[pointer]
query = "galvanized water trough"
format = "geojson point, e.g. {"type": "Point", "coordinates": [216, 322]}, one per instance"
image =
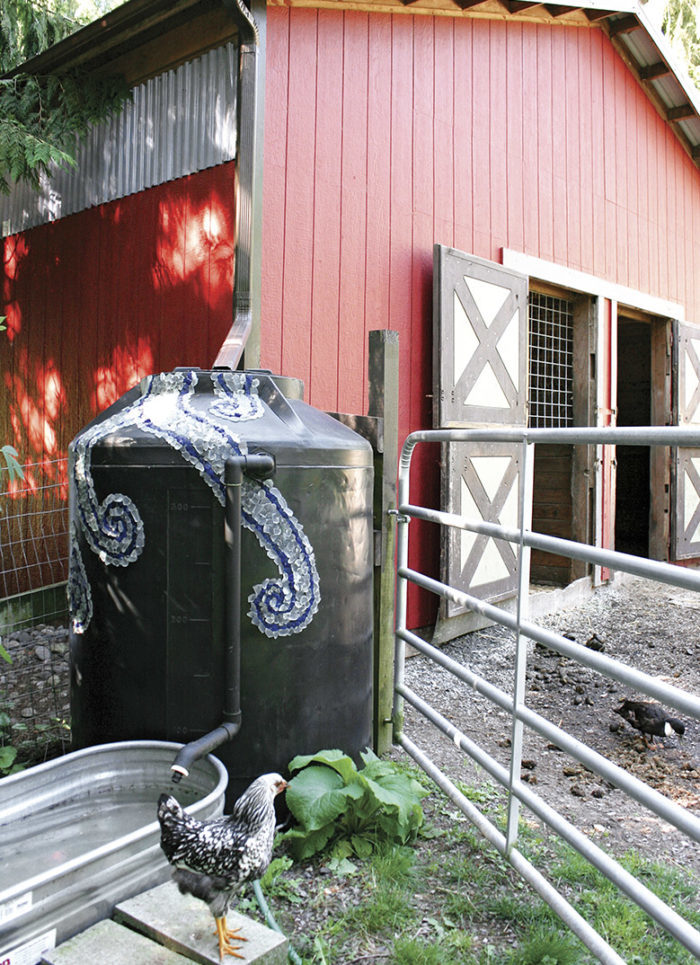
{"type": "Point", "coordinates": [79, 834]}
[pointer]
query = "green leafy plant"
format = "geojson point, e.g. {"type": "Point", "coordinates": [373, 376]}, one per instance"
{"type": "Point", "coordinates": [42, 116]}
{"type": "Point", "coordinates": [8, 753]}
{"type": "Point", "coordinates": [350, 811]}
{"type": "Point", "coordinates": [9, 454]}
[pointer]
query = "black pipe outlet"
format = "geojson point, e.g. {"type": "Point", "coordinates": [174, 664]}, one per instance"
{"type": "Point", "coordinates": [260, 466]}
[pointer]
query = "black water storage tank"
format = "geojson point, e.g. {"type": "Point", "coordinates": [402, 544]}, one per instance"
{"type": "Point", "coordinates": [147, 577]}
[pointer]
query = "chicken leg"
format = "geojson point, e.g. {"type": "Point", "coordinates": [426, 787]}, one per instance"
{"type": "Point", "coordinates": [227, 935]}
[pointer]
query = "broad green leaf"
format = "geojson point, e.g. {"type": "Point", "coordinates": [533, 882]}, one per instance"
{"type": "Point", "coordinates": [342, 866]}
{"type": "Point", "coordinates": [342, 849]}
{"type": "Point", "coordinates": [362, 847]}
{"type": "Point", "coordinates": [305, 844]}
{"type": "Point", "coordinates": [317, 796]}
{"type": "Point", "coordinates": [393, 793]}
{"type": "Point", "coordinates": [5, 655]}
{"type": "Point", "coordinates": [335, 759]}
{"type": "Point", "coordinates": [13, 467]}
{"type": "Point", "coordinates": [7, 757]}
{"type": "Point", "coordinates": [368, 756]}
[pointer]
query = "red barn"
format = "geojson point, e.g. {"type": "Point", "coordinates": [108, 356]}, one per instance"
{"type": "Point", "coordinates": [550, 150]}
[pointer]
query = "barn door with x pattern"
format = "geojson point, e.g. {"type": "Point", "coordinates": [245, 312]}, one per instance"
{"type": "Point", "coordinates": [480, 376]}
{"type": "Point", "coordinates": [685, 529]}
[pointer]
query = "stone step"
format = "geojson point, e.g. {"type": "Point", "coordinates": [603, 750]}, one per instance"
{"type": "Point", "coordinates": [163, 927]}
{"type": "Point", "coordinates": [109, 942]}
{"type": "Point", "coordinates": [185, 925]}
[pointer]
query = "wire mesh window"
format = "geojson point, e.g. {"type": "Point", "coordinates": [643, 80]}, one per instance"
{"type": "Point", "coordinates": [551, 361]}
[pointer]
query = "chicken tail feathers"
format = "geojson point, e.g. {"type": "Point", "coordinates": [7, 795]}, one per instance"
{"type": "Point", "coordinates": [211, 889]}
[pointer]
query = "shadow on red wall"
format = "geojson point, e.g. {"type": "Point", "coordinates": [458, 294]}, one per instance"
{"type": "Point", "coordinates": [100, 299]}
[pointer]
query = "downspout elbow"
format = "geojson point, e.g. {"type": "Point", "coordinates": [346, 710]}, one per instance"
{"type": "Point", "coordinates": [192, 752]}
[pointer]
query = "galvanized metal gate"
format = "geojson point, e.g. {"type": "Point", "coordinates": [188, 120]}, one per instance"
{"type": "Point", "coordinates": [521, 540]}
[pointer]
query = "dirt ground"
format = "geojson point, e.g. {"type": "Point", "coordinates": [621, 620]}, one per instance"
{"type": "Point", "coordinates": [652, 627]}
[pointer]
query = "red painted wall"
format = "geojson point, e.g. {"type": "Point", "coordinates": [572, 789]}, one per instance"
{"type": "Point", "coordinates": [98, 300]}
{"type": "Point", "coordinates": [385, 134]}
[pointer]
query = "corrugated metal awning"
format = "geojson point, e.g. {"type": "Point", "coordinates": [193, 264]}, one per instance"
{"type": "Point", "coordinates": [178, 122]}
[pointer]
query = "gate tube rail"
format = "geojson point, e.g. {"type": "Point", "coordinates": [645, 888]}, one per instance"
{"type": "Point", "coordinates": [677, 926]}
{"type": "Point", "coordinates": [684, 701]}
{"type": "Point", "coordinates": [652, 799]}
{"type": "Point", "coordinates": [614, 560]}
{"type": "Point", "coordinates": [568, 914]}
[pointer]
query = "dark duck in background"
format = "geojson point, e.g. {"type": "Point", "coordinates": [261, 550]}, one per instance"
{"type": "Point", "coordinates": [650, 719]}
{"type": "Point", "coordinates": [213, 859]}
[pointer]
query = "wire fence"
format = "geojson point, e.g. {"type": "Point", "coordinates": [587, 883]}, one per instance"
{"type": "Point", "coordinates": [34, 701]}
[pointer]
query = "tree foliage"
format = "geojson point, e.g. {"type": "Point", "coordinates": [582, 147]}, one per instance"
{"type": "Point", "coordinates": [43, 117]}
{"type": "Point", "coordinates": [680, 24]}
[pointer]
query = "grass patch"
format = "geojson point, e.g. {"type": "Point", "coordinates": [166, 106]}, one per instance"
{"type": "Point", "coordinates": [450, 899]}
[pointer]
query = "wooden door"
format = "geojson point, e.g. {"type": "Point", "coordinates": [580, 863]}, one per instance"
{"type": "Point", "coordinates": [685, 517]}
{"type": "Point", "coordinates": [480, 379]}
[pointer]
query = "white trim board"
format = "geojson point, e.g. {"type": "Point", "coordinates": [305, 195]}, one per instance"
{"type": "Point", "coordinates": [580, 281]}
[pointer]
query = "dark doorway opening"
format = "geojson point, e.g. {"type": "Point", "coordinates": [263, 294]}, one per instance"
{"type": "Point", "coordinates": [632, 499]}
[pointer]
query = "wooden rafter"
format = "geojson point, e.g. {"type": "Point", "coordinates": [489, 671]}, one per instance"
{"type": "Point", "coordinates": [624, 25]}
{"type": "Point", "coordinates": [467, 4]}
{"type": "Point", "coordinates": [517, 6]}
{"type": "Point", "coordinates": [653, 71]}
{"type": "Point", "coordinates": [595, 15]}
{"type": "Point", "coordinates": [680, 112]}
{"type": "Point", "coordinates": [556, 10]}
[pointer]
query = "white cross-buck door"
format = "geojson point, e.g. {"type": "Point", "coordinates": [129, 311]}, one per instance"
{"type": "Point", "coordinates": [686, 462]}
{"type": "Point", "coordinates": [480, 379]}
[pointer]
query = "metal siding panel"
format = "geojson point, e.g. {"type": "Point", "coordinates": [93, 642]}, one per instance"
{"type": "Point", "coordinates": [178, 123]}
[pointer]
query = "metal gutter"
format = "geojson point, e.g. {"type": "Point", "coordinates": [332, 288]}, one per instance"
{"type": "Point", "coordinates": [231, 351]}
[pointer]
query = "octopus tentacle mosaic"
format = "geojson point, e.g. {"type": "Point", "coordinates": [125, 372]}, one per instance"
{"type": "Point", "coordinates": [114, 529]}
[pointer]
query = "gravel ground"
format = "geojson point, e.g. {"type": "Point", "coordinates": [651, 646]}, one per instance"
{"type": "Point", "coordinates": [652, 627]}
{"type": "Point", "coordinates": [34, 692]}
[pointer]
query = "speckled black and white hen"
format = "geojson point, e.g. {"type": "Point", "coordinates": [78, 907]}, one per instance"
{"type": "Point", "coordinates": [213, 859]}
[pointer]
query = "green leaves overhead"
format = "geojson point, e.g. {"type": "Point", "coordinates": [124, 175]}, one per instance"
{"type": "Point", "coordinates": [42, 118]}
{"type": "Point", "coordinates": [353, 811]}
{"type": "Point", "coordinates": [27, 28]}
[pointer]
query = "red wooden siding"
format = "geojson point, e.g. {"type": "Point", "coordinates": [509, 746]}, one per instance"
{"type": "Point", "coordinates": [387, 133]}
{"type": "Point", "coordinates": [98, 300]}
{"type": "Point", "coordinates": [383, 134]}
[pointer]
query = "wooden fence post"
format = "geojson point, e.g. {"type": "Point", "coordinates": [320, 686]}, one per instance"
{"type": "Point", "coordinates": [383, 378]}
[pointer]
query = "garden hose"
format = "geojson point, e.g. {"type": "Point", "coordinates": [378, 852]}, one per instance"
{"type": "Point", "coordinates": [269, 918]}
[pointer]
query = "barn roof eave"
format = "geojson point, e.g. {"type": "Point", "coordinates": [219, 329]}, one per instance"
{"type": "Point", "coordinates": [643, 47]}
{"type": "Point", "coordinates": [118, 38]}
{"type": "Point", "coordinates": [130, 32]}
